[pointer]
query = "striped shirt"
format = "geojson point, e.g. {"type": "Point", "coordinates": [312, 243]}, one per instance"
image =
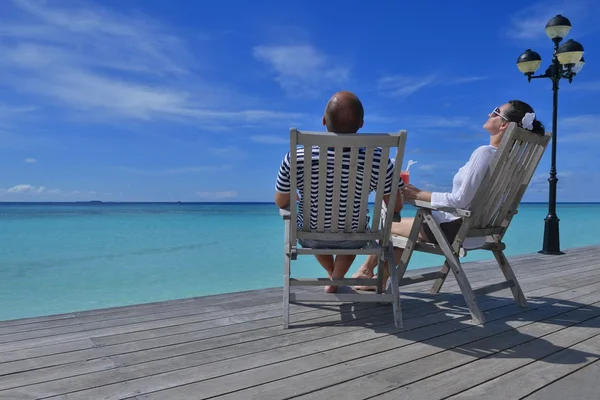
{"type": "Point", "coordinates": [283, 184]}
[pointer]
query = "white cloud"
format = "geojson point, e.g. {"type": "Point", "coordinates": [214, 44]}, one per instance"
{"type": "Point", "coordinates": [539, 181]}
{"type": "Point", "coordinates": [107, 66]}
{"type": "Point", "coordinates": [465, 79]}
{"type": "Point", "coordinates": [16, 139]}
{"type": "Point", "coordinates": [578, 129]}
{"type": "Point", "coordinates": [586, 86]}
{"type": "Point", "coordinates": [426, 167]}
{"type": "Point", "coordinates": [6, 111]}
{"type": "Point", "coordinates": [176, 171]}
{"type": "Point", "coordinates": [434, 187]}
{"type": "Point", "coordinates": [26, 188]}
{"type": "Point", "coordinates": [436, 121]}
{"type": "Point", "coordinates": [403, 86]}
{"type": "Point", "coordinates": [301, 70]}
{"type": "Point", "coordinates": [229, 194]}
{"type": "Point", "coordinates": [231, 152]}
{"type": "Point", "coordinates": [270, 139]}
{"type": "Point", "coordinates": [529, 26]}
{"type": "Point", "coordinates": [380, 119]}
{"type": "Point", "coordinates": [27, 192]}
{"type": "Point", "coordinates": [30, 160]}
{"type": "Point", "coordinates": [529, 23]}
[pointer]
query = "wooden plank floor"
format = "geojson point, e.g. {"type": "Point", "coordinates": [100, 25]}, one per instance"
{"type": "Point", "coordinates": [233, 347]}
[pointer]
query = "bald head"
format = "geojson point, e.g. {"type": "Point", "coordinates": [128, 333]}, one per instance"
{"type": "Point", "coordinates": [344, 113]}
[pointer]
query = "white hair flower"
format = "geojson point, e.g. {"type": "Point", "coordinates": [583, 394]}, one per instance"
{"type": "Point", "coordinates": [527, 121]}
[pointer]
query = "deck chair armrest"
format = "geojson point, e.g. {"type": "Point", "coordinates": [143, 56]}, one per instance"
{"type": "Point", "coordinates": [285, 213]}
{"type": "Point", "coordinates": [425, 204]}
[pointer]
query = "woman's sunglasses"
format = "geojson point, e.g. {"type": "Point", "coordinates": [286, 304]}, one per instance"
{"type": "Point", "coordinates": [498, 113]}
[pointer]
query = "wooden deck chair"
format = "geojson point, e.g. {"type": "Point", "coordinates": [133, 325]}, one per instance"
{"type": "Point", "coordinates": [356, 147]}
{"type": "Point", "coordinates": [484, 224]}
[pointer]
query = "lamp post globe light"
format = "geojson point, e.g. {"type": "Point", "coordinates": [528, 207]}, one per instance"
{"type": "Point", "coordinates": [567, 61]}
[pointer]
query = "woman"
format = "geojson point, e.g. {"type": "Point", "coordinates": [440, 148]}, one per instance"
{"type": "Point", "coordinates": [464, 185]}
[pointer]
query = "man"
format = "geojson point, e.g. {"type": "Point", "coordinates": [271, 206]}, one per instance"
{"type": "Point", "coordinates": [344, 113]}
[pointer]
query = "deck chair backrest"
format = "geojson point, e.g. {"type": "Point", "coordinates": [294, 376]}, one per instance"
{"type": "Point", "coordinates": [508, 177]}
{"type": "Point", "coordinates": [332, 182]}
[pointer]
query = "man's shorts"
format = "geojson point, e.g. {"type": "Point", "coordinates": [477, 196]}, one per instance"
{"type": "Point", "coordinates": [332, 244]}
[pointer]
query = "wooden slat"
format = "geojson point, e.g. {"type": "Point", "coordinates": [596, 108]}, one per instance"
{"type": "Point", "coordinates": [425, 204]}
{"type": "Point", "coordinates": [348, 366]}
{"type": "Point", "coordinates": [557, 364]}
{"type": "Point", "coordinates": [338, 236]}
{"type": "Point", "coordinates": [390, 210]}
{"type": "Point", "coordinates": [352, 172]}
{"type": "Point", "coordinates": [329, 139]}
{"type": "Point", "coordinates": [508, 211]}
{"type": "Point", "coordinates": [494, 287]}
{"type": "Point", "coordinates": [512, 200]}
{"type": "Point", "coordinates": [497, 191]}
{"type": "Point", "coordinates": [385, 154]}
{"type": "Point", "coordinates": [525, 135]}
{"type": "Point", "coordinates": [411, 280]}
{"type": "Point", "coordinates": [340, 297]}
{"type": "Point", "coordinates": [307, 206]}
{"type": "Point", "coordinates": [322, 187]}
{"type": "Point", "coordinates": [333, 251]}
{"type": "Point", "coordinates": [366, 186]}
{"type": "Point", "coordinates": [582, 384]}
{"type": "Point", "coordinates": [337, 186]}
{"type": "Point", "coordinates": [327, 281]}
{"type": "Point", "coordinates": [293, 185]}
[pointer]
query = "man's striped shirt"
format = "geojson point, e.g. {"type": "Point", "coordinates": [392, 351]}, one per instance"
{"type": "Point", "coordinates": [283, 184]}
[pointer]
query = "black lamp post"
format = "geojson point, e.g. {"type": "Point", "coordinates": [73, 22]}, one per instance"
{"type": "Point", "coordinates": [566, 63]}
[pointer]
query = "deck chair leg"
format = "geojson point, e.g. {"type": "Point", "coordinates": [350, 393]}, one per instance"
{"type": "Point", "coordinates": [396, 308]}
{"type": "Point", "coordinates": [380, 274]}
{"type": "Point", "coordinates": [413, 236]}
{"type": "Point", "coordinates": [286, 292]}
{"type": "Point", "coordinates": [454, 263]}
{"type": "Point", "coordinates": [439, 282]}
{"type": "Point", "coordinates": [287, 260]}
{"type": "Point", "coordinates": [510, 276]}
{"type": "Point", "coordinates": [466, 289]}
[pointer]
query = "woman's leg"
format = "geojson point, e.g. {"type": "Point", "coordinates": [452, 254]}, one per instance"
{"type": "Point", "coordinates": [401, 228]}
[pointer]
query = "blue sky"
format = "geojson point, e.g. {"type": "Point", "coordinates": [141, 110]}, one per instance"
{"type": "Point", "coordinates": [155, 100]}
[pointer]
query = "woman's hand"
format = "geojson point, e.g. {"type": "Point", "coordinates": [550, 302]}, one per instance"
{"type": "Point", "coordinates": [410, 192]}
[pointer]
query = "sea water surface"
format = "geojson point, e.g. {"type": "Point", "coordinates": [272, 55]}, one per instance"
{"type": "Point", "coordinates": [58, 258]}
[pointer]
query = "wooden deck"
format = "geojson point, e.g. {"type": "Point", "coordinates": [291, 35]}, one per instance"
{"type": "Point", "coordinates": [233, 347]}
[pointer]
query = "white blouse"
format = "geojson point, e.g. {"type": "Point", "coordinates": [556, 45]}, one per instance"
{"type": "Point", "coordinates": [464, 185]}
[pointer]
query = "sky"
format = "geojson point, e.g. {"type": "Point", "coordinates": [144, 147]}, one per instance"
{"type": "Point", "coordinates": [187, 100]}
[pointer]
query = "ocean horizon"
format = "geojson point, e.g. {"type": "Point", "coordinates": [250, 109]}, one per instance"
{"type": "Point", "coordinates": [222, 202]}
{"type": "Point", "coordinates": [61, 257]}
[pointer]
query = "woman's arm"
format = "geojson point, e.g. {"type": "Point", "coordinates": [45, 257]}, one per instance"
{"type": "Point", "coordinates": [473, 175]}
{"type": "Point", "coordinates": [462, 196]}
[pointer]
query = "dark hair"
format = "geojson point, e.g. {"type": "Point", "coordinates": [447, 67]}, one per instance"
{"type": "Point", "coordinates": [517, 111]}
{"type": "Point", "coordinates": [344, 113]}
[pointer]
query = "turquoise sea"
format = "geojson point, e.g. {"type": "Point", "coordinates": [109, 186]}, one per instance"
{"type": "Point", "coordinates": [58, 258]}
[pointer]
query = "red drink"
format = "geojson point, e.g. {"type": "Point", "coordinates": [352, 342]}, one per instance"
{"type": "Point", "coordinates": [405, 175]}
